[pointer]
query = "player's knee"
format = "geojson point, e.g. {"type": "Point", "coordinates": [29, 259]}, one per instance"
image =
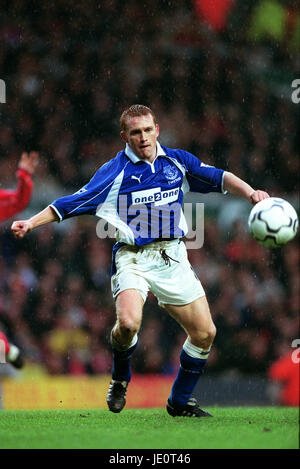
{"type": "Point", "coordinates": [129, 325]}
{"type": "Point", "coordinates": [204, 338]}
{"type": "Point", "coordinates": [211, 332]}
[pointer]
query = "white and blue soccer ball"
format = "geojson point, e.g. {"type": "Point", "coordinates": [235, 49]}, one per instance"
{"type": "Point", "coordinates": [273, 222]}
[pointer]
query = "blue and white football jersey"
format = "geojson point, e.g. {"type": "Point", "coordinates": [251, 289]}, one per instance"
{"type": "Point", "coordinates": [142, 200]}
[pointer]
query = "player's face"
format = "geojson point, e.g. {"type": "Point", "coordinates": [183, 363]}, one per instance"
{"type": "Point", "coordinates": [141, 135]}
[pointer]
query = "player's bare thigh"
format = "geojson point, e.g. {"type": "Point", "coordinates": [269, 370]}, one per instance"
{"type": "Point", "coordinates": [129, 311]}
{"type": "Point", "coordinates": [196, 320]}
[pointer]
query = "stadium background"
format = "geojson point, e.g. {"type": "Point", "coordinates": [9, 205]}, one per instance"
{"type": "Point", "coordinates": [218, 75]}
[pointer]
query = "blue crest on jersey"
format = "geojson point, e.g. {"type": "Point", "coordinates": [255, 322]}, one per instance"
{"type": "Point", "coordinates": [170, 172]}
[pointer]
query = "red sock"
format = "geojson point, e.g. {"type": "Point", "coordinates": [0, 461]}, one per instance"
{"type": "Point", "coordinates": [6, 343]}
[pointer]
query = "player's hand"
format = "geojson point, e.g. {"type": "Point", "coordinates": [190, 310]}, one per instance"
{"type": "Point", "coordinates": [29, 162]}
{"type": "Point", "coordinates": [21, 228]}
{"type": "Point", "coordinates": [257, 196]}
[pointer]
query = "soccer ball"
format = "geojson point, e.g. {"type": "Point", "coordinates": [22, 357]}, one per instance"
{"type": "Point", "coordinates": [273, 222]}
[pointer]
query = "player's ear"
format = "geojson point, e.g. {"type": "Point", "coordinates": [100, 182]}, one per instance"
{"type": "Point", "coordinates": [124, 136]}
{"type": "Point", "coordinates": [157, 130]}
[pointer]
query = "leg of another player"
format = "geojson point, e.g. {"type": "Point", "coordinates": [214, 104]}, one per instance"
{"type": "Point", "coordinates": [196, 320]}
{"type": "Point", "coordinates": [10, 352]}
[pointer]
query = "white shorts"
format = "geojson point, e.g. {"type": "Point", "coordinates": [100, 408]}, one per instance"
{"type": "Point", "coordinates": [144, 269]}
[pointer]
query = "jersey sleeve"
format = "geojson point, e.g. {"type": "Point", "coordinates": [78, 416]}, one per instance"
{"type": "Point", "coordinates": [14, 201]}
{"type": "Point", "coordinates": [201, 177]}
{"type": "Point", "coordinates": [86, 200]}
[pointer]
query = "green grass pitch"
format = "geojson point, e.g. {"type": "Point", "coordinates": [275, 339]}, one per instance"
{"type": "Point", "coordinates": [230, 428]}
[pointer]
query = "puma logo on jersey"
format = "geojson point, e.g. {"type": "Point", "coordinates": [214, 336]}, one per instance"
{"type": "Point", "coordinates": [137, 178]}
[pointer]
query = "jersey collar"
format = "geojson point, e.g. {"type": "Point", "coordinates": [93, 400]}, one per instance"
{"type": "Point", "coordinates": [135, 159]}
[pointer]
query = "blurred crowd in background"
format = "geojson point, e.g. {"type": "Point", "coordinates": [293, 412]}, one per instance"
{"type": "Point", "coordinates": [220, 84]}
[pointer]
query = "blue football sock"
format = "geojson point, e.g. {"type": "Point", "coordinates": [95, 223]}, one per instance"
{"type": "Point", "coordinates": [189, 372]}
{"type": "Point", "coordinates": [121, 370]}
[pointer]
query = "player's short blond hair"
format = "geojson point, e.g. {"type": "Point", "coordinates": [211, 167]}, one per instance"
{"type": "Point", "coordinates": [134, 111]}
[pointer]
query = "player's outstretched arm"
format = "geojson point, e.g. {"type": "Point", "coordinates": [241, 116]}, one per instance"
{"type": "Point", "coordinates": [14, 201]}
{"type": "Point", "coordinates": [21, 227]}
{"type": "Point", "coordinates": [29, 161]}
{"type": "Point", "coordinates": [236, 186]}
